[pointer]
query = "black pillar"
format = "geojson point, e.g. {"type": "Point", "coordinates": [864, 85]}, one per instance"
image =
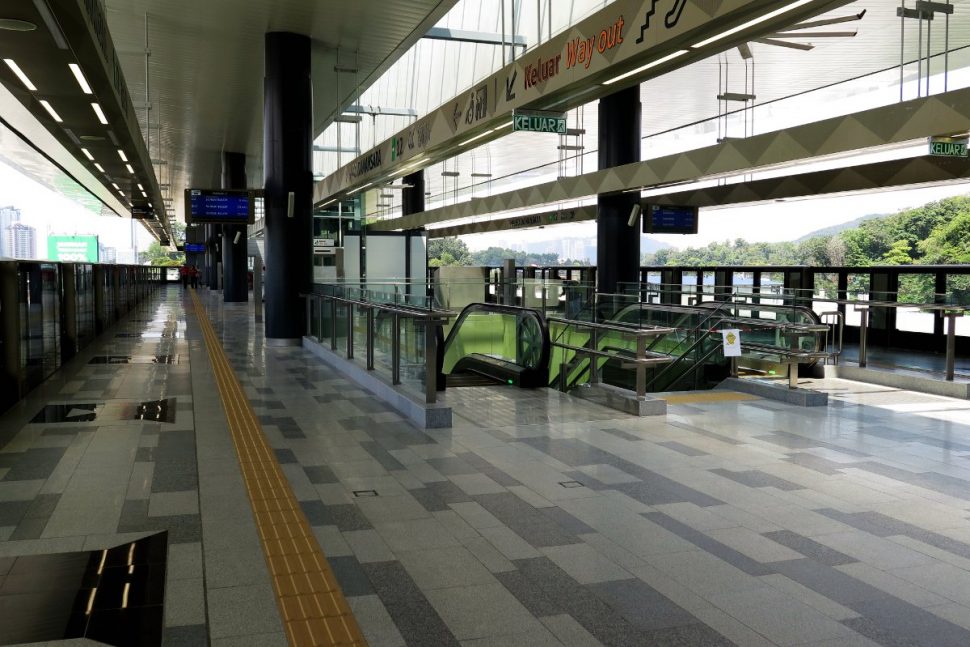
{"type": "Point", "coordinates": [213, 255]}
{"type": "Point", "coordinates": [617, 244]}
{"type": "Point", "coordinates": [412, 200]}
{"type": "Point", "coordinates": [287, 145]}
{"type": "Point", "coordinates": [235, 273]}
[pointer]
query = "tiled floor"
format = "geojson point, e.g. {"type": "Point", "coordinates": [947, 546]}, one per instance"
{"type": "Point", "coordinates": [535, 520]}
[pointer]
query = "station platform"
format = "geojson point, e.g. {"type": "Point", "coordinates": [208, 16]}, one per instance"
{"type": "Point", "coordinates": [298, 509]}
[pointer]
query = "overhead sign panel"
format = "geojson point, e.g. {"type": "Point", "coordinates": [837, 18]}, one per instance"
{"type": "Point", "coordinates": [195, 248]}
{"type": "Point", "coordinates": [73, 249]}
{"type": "Point", "coordinates": [220, 206]}
{"type": "Point", "coordinates": [539, 122]}
{"type": "Point", "coordinates": [625, 38]}
{"type": "Point", "coordinates": [948, 147]}
{"type": "Point", "coordinates": [670, 219]}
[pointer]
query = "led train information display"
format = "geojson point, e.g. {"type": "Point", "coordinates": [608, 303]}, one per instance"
{"type": "Point", "coordinates": [670, 219]}
{"type": "Point", "coordinates": [220, 206]}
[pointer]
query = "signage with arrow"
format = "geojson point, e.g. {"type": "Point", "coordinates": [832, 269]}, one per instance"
{"type": "Point", "coordinates": [539, 121]}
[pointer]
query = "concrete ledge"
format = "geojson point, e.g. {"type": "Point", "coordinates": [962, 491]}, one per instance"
{"type": "Point", "coordinates": [905, 380]}
{"type": "Point", "coordinates": [779, 392]}
{"type": "Point", "coordinates": [620, 400]}
{"type": "Point", "coordinates": [425, 416]}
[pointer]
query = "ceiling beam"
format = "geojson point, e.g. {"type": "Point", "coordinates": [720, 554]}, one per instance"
{"type": "Point", "coordinates": [479, 37]}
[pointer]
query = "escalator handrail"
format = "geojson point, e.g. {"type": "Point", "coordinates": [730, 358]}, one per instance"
{"type": "Point", "coordinates": [503, 309]}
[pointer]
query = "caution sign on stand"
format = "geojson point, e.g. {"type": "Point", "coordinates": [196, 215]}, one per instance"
{"type": "Point", "coordinates": [732, 342]}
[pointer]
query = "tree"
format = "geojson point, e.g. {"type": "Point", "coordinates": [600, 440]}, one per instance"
{"type": "Point", "coordinates": [898, 254]}
{"type": "Point", "coordinates": [157, 255]}
{"type": "Point", "coordinates": [448, 251]}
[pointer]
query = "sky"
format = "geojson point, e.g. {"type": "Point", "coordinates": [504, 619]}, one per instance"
{"type": "Point", "coordinates": [772, 222]}
{"type": "Point", "coordinates": [52, 213]}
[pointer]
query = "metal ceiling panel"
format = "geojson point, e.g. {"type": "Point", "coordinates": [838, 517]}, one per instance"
{"type": "Point", "coordinates": [205, 69]}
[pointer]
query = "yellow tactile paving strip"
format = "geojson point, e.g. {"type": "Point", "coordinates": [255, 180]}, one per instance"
{"type": "Point", "coordinates": [312, 606]}
{"type": "Point", "coordinates": [707, 396]}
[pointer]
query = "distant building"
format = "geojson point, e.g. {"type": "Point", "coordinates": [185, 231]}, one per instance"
{"type": "Point", "coordinates": [21, 241]}
{"type": "Point", "coordinates": [107, 254]}
{"type": "Point", "coordinates": [9, 216]}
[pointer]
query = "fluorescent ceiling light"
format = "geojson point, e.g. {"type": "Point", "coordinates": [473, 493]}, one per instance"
{"type": "Point", "coordinates": [130, 170]}
{"type": "Point", "coordinates": [87, 154]}
{"type": "Point", "coordinates": [50, 109]}
{"type": "Point", "coordinates": [98, 111]}
{"type": "Point", "coordinates": [644, 68]}
{"type": "Point", "coordinates": [79, 75]}
{"type": "Point", "coordinates": [477, 137]}
{"type": "Point", "coordinates": [116, 186]}
{"type": "Point", "coordinates": [751, 23]}
{"type": "Point", "coordinates": [20, 74]}
{"type": "Point", "coordinates": [141, 188]}
{"type": "Point", "coordinates": [99, 167]}
{"type": "Point", "coordinates": [144, 195]}
{"type": "Point", "coordinates": [121, 154]}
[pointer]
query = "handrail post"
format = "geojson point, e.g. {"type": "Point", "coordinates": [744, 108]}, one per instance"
{"type": "Point", "coordinates": [593, 365]}
{"type": "Point", "coordinates": [430, 362]}
{"type": "Point", "coordinates": [641, 368]}
{"type": "Point", "coordinates": [309, 318]}
{"type": "Point", "coordinates": [863, 333]}
{"type": "Point", "coordinates": [370, 339]}
{"type": "Point", "coordinates": [333, 324]}
{"type": "Point", "coordinates": [350, 331]}
{"type": "Point", "coordinates": [951, 345]}
{"type": "Point", "coordinates": [396, 349]}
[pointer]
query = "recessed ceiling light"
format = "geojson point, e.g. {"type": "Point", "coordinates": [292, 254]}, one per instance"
{"type": "Point", "coordinates": [10, 24]}
{"type": "Point", "coordinates": [79, 75]}
{"type": "Point", "coordinates": [51, 111]}
{"type": "Point", "coordinates": [116, 186]}
{"type": "Point", "coordinates": [99, 167]}
{"type": "Point", "coordinates": [121, 154]}
{"type": "Point", "coordinates": [141, 188]}
{"type": "Point", "coordinates": [130, 170]}
{"type": "Point", "coordinates": [91, 138]}
{"type": "Point", "coordinates": [20, 74]}
{"type": "Point", "coordinates": [87, 154]}
{"type": "Point", "coordinates": [144, 195]}
{"type": "Point", "coordinates": [100, 113]}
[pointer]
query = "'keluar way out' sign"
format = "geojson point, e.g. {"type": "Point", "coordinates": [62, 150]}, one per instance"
{"type": "Point", "coordinates": [539, 122]}
{"type": "Point", "coordinates": [946, 147]}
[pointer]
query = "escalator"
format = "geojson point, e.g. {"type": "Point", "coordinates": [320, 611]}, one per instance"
{"type": "Point", "coordinates": [492, 344]}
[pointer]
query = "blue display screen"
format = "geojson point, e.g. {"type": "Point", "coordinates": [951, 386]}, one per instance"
{"type": "Point", "coordinates": [667, 219]}
{"type": "Point", "coordinates": [231, 206]}
{"type": "Point", "coordinates": [195, 248]}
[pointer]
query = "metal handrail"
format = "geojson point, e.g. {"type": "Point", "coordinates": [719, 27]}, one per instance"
{"type": "Point", "coordinates": [433, 319]}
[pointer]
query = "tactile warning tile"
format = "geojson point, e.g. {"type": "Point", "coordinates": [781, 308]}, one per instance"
{"type": "Point", "coordinates": [707, 396]}
{"type": "Point", "coordinates": [312, 606]}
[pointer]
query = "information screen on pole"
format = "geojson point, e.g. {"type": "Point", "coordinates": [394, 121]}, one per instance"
{"type": "Point", "coordinates": [220, 206]}
{"type": "Point", "coordinates": [195, 248]}
{"type": "Point", "coordinates": [670, 219]}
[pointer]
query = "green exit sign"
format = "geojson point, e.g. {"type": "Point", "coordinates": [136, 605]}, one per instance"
{"type": "Point", "coordinates": [946, 147]}
{"type": "Point", "coordinates": [540, 122]}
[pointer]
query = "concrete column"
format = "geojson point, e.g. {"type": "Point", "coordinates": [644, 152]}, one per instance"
{"type": "Point", "coordinates": [235, 272]}
{"type": "Point", "coordinates": [617, 244]}
{"type": "Point", "coordinates": [412, 200]}
{"type": "Point", "coordinates": [287, 145]}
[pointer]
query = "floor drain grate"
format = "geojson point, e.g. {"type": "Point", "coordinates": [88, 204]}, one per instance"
{"type": "Point", "coordinates": [363, 493]}
{"type": "Point", "coordinates": [570, 484]}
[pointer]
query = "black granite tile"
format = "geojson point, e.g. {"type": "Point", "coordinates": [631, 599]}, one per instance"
{"type": "Point", "coordinates": [683, 449]}
{"type": "Point", "coordinates": [706, 433]}
{"type": "Point", "coordinates": [319, 474]}
{"type": "Point", "coordinates": [527, 522]}
{"type": "Point", "coordinates": [794, 441]}
{"type": "Point", "coordinates": [619, 433]}
{"type": "Point", "coordinates": [34, 464]}
{"type": "Point", "coordinates": [642, 605]}
{"type": "Point", "coordinates": [381, 455]}
{"type": "Point", "coordinates": [757, 478]}
{"type": "Point", "coordinates": [186, 636]}
{"type": "Point", "coordinates": [570, 451]}
{"type": "Point", "coordinates": [881, 635]}
{"type": "Point", "coordinates": [451, 466]}
{"type": "Point", "coordinates": [900, 620]}
{"type": "Point", "coordinates": [810, 548]}
{"type": "Point", "coordinates": [351, 577]}
{"type": "Point", "coordinates": [12, 512]}
{"type": "Point", "coordinates": [145, 455]}
{"type": "Point", "coordinates": [316, 513]}
{"type": "Point", "coordinates": [448, 492]}
{"type": "Point", "coordinates": [346, 516]}
{"type": "Point", "coordinates": [828, 581]}
{"type": "Point", "coordinates": [716, 548]}
{"type": "Point", "coordinates": [816, 463]}
{"type": "Point", "coordinates": [410, 610]}
{"type": "Point", "coordinates": [695, 635]}
{"type": "Point", "coordinates": [429, 500]}
{"type": "Point", "coordinates": [566, 521]}
{"type": "Point", "coordinates": [529, 594]}
{"type": "Point", "coordinates": [600, 619]}
{"type": "Point", "coordinates": [284, 456]}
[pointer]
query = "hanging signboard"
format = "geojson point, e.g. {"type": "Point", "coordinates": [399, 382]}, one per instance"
{"type": "Point", "coordinates": [536, 121]}
{"type": "Point", "coordinates": [948, 147]}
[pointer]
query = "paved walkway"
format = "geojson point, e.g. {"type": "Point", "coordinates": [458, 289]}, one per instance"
{"type": "Point", "coordinates": [535, 520]}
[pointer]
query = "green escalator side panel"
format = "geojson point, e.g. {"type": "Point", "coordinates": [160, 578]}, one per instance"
{"type": "Point", "coordinates": [485, 334]}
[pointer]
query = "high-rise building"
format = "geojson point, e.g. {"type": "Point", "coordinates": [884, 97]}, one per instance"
{"type": "Point", "coordinates": [21, 241]}
{"type": "Point", "coordinates": [9, 216]}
